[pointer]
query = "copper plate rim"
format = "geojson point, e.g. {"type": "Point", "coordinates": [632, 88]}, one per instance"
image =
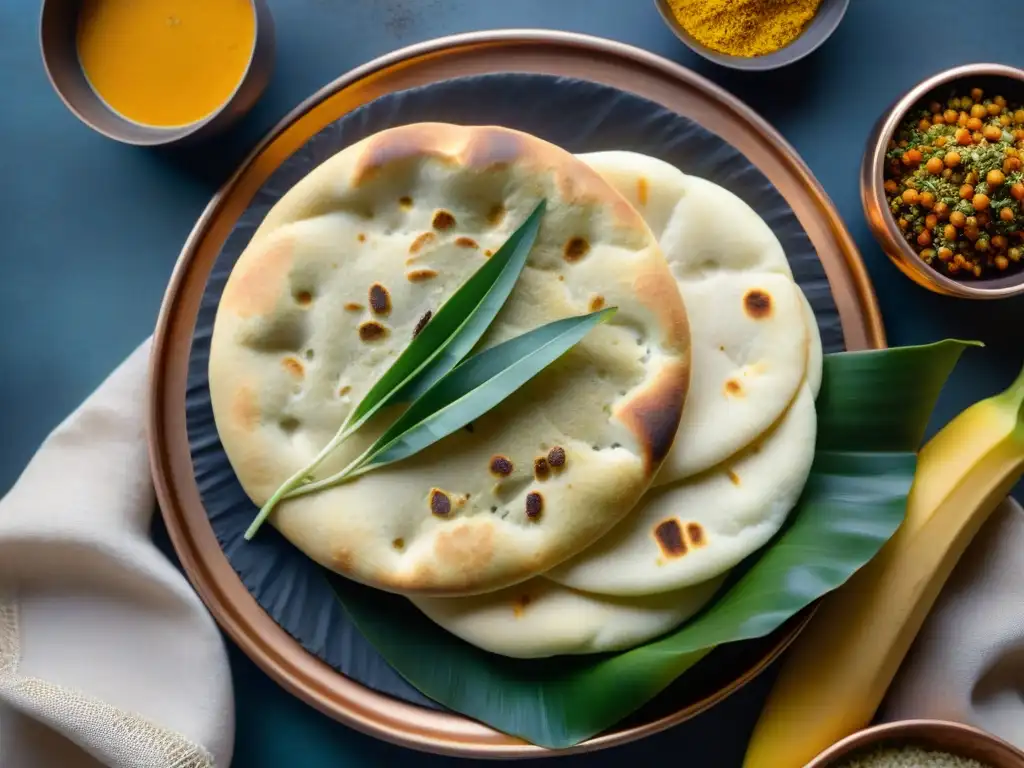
{"type": "Point", "coordinates": [209, 571]}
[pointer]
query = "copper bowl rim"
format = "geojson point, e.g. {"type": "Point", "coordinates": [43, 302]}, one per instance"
{"type": "Point", "coordinates": [302, 674]}
{"type": "Point", "coordinates": [911, 732]}
{"type": "Point", "coordinates": [167, 135]}
{"type": "Point", "coordinates": [764, 63]}
{"type": "Point", "coordinates": [876, 208]}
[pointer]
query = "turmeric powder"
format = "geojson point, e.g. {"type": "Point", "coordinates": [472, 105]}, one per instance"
{"type": "Point", "coordinates": [744, 27]}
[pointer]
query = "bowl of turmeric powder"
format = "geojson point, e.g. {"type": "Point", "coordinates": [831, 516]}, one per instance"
{"type": "Point", "coordinates": [753, 34]}
{"type": "Point", "coordinates": [156, 73]}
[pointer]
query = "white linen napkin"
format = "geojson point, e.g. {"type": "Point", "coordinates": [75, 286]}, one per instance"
{"type": "Point", "coordinates": [967, 663]}
{"type": "Point", "coordinates": [107, 656]}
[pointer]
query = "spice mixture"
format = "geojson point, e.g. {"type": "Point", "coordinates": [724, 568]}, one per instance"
{"type": "Point", "coordinates": [954, 182]}
{"type": "Point", "coordinates": [909, 757]}
{"type": "Point", "coordinates": [744, 27]}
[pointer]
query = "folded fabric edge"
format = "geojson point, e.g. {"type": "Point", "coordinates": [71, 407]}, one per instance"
{"type": "Point", "coordinates": [118, 738]}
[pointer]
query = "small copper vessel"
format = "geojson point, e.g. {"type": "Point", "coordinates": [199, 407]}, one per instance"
{"type": "Point", "coordinates": [58, 25]}
{"type": "Point", "coordinates": [938, 735]}
{"type": "Point", "coordinates": [993, 79]}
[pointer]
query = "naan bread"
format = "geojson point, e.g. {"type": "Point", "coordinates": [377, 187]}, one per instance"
{"type": "Point", "coordinates": [539, 618]}
{"type": "Point", "coordinates": [332, 287]}
{"type": "Point", "coordinates": [708, 228]}
{"type": "Point", "coordinates": [750, 339]}
{"type": "Point", "coordinates": [693, 530]}
{"type": "Point", "coordinates": [815, 354]}
{"type": "Point", "coordinates": [749, 358]}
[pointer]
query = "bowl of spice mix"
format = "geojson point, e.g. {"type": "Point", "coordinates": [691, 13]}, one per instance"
{"type": "Point", "coordinates": [942, 182]}
{"type": "Point", "coordinates": [151, 72]}
{"type": "Point", "coordinates": [920, 744]}
{"type": "Point", "coordinates": [753, 34]}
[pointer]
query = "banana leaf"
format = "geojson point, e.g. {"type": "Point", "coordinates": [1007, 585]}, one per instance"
{"type": "Point", "coordinates": [873, 409]}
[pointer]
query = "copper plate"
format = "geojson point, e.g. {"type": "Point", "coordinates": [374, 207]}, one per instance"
{"type": "Point", "coordinates": [556, 53]}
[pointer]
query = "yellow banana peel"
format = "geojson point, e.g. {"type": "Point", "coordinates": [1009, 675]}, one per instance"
{"type": "Point", "coordinates": [835, 676]}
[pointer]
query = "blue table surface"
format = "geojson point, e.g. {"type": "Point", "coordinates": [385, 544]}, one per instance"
{"type": "Point", "coordinates": [90, 230]}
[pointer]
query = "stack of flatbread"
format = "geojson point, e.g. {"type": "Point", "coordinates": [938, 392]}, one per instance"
{"type": "Point", "coordinates": [605, 502]}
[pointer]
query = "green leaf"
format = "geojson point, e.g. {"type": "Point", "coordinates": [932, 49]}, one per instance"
{"type": "Point", "coordinates": [443, 342]}
{"type": "Point", "coordinates": [456, 327]}
{"type": "Point", "coordinates": [915, 374]}
{"type": "Point", "coordinates": [872, 411]}
{"type": "Point", "coordinates": [468, 392]}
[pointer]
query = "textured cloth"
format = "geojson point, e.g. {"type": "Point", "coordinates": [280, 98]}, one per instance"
{"type": "Point", "coordinates": [967, 663]}
{"type": "Point", "coordinates": [107, 656]}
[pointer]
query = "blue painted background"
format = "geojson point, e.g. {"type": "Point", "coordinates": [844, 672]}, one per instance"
{"type": "Point", "coordinates": [90, 230]}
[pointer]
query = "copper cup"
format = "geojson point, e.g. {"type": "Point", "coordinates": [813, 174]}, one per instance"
{"type": "Point", "coordinates": [57, 39]}
{"type": "Point", "coordinates": [994, 79]}
{"type": "Point", "coordinates": [938, 735]}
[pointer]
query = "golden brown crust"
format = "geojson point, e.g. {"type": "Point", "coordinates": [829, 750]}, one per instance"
{"type": "Point", "coordinates": [669, 536]}
{"type": "Point", "coordinates": [256, 288]}
{"type": "Point", "coordinates": [757, 304]}
{"type": "Point", "coordinates": [294, 366]}
{"type": "Point", "coordinates": [653, 414]}
{"type": "Point", "coordinates": [420, 241]}
{"type": "Point", "coordinates": [490, 147]}
{"type": "Point", "coordinates": [471, 544]}
{"type": "Point", "coordinates": [245, 409]}
{"type": "Point", "coordinates": [658, 291]}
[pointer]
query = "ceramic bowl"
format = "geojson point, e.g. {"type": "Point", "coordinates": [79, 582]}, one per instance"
{"type": "Point", "coordinates": [993, 79]}
{"type": "Point", "coordinates": [57, 30]}
{"type": "Point", "coordinates": [938, 735]}
{"type": "Point", "coordinates": [824, 23]}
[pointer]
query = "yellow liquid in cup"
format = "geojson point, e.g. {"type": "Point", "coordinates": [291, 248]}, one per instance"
{"type": "Point", "coordinates": [165, 63]}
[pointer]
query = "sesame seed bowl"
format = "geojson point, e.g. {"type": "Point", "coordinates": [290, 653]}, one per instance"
{"type": "Point", "coordinates": [952, 745]}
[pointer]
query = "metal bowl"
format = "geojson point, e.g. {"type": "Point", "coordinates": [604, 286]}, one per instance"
{"type": "Point", "coordinates": [824, 23]}
{"type": "Point", "coordinates": [57, 39]}
{"type": "Point", "coordinates": [993, 78]}
{"type": "Point", "coordinates": [940, 735]}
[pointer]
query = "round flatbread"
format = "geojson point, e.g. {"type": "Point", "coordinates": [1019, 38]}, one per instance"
{"type": "Point", "coordinates": [815, 353]}
{"type": "Point", "coordinates": [333, 286]}
{"type": "Point", "coordinates": [539, 618]}
{"type": "Point", "coordinates": [693, 530]}
{"type": "Point", "coordinates": [706, 227]}
{"type": "Point", "coordinates": [749, 358]}
{"type": "Point", "coordinates": [750, 338]}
